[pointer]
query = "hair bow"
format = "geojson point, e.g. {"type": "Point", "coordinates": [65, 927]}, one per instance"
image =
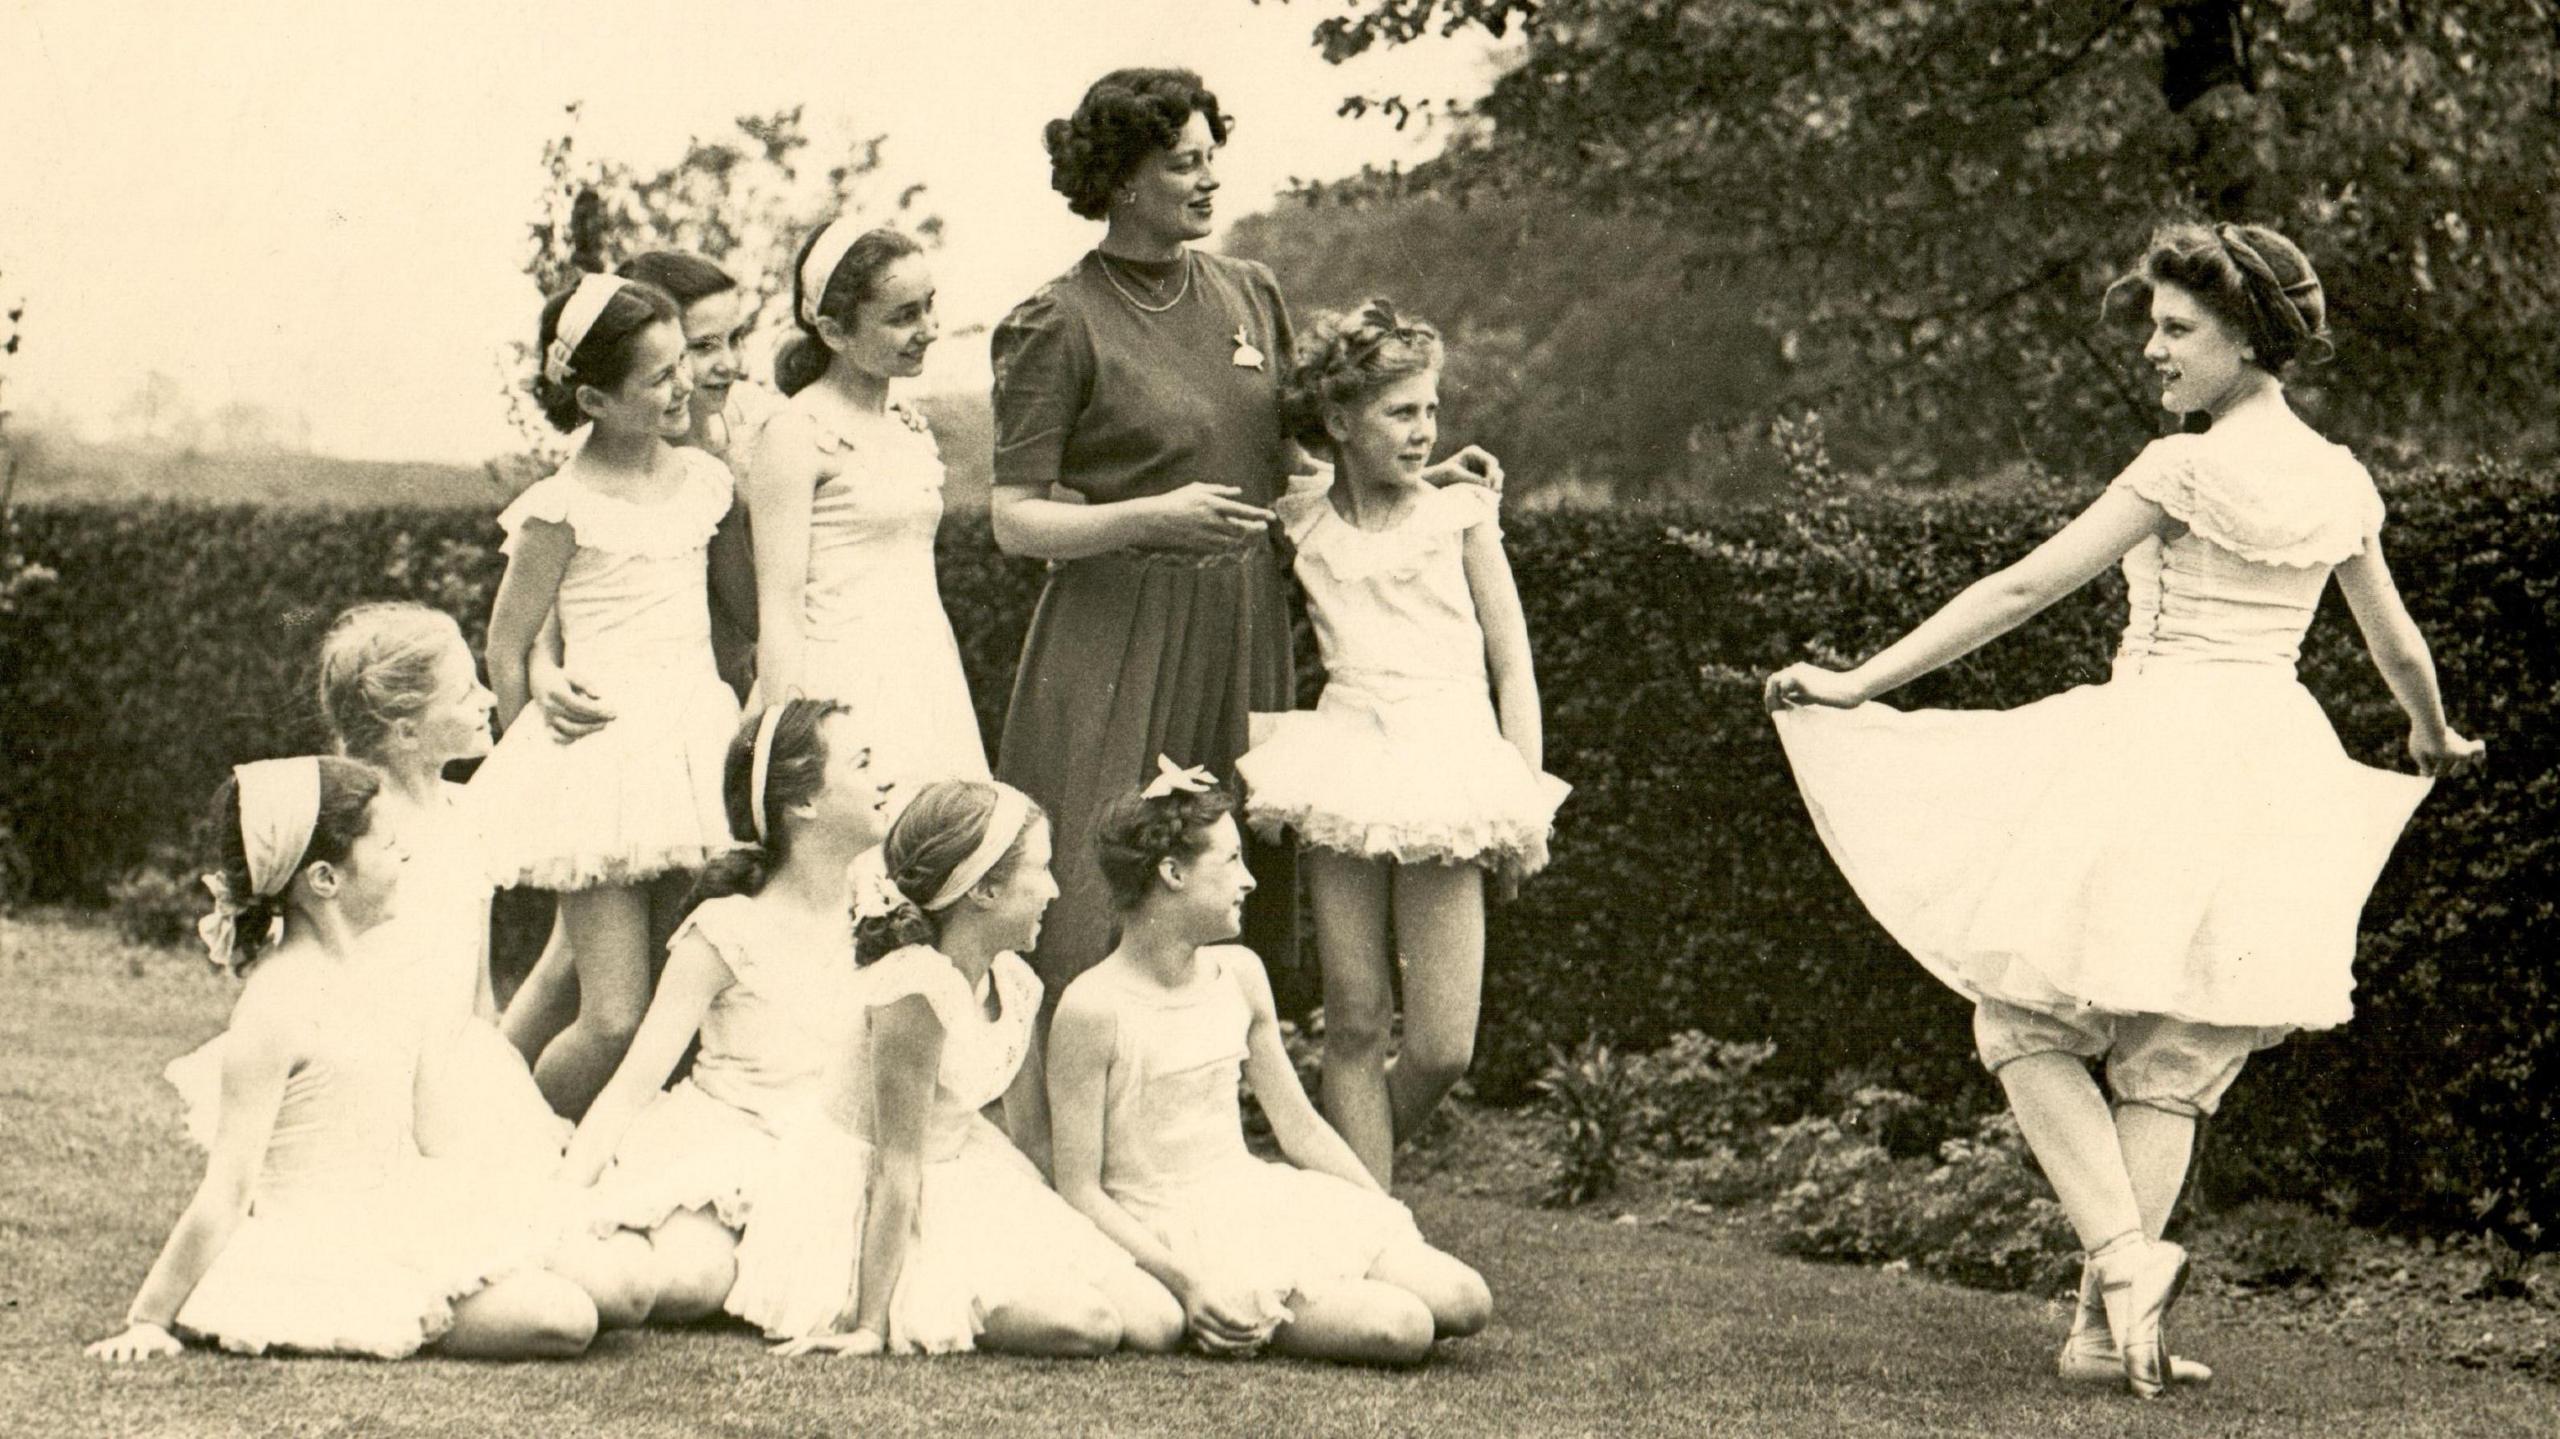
{"type": "Point", "coordinates": [877, 896]}
{"type": "Point", "coordinates": [1172, 778]}
{"type": "Point", "coordinates": [220, 930]}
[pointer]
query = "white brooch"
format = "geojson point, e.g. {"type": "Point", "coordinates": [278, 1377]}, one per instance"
{"type": "Point", "coordinates": [1247, 357]}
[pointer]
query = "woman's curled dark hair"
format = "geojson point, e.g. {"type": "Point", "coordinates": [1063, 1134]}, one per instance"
{"type": "Point", "coordinates": [1126, 116]}
{"type": "Point", "coordinates": [794, 773]}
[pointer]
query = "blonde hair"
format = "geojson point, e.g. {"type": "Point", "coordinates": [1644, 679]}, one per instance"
{"type": "Point", "coordinates": [1345, 358]}
{"type": "Point", "coordinates": [378, 667]}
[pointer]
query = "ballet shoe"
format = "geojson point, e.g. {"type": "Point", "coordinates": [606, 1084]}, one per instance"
{"type": "Point", "coordinates": [2090, 1356]}
{"type": "Point", "coordinates": [2139, 1283]}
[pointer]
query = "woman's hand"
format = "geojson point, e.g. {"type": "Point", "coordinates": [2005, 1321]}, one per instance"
{"type": "Point", "coordinates": [1474, 465]}
{"type": "Point", "coordinates": [1810, 684]}
{"type": "Point", "coordinates": [138, 1341]}
{"type": "Point", "coordinates": [857, 1343]}
{"type": "Point", "coordinates": [572, 710]}
{"type": "Point", "coordinates": [2440, 751]}
{"type": "Point", "coordinates": [1205, 518]}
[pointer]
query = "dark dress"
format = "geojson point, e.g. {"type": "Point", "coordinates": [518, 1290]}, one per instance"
{"type": "Point", "coordinates": [1136, 653]}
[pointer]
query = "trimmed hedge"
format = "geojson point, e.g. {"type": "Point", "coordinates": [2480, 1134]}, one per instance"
{"type": "Point", "coordinates": [1689, 891]}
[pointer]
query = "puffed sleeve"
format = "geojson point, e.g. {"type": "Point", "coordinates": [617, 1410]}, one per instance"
{"type": "Point", "coordinates": [1043, 378]}
{"type": "Point", "coordinates": [2296, 508]}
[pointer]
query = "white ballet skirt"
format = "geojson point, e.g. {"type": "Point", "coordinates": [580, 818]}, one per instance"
{"type": "Point", "coordinates": [641, 796]}
{"type": "Point", "coordinates": [2187, 839]}
{"type": "Point", "coordinates": [1174, 1157]}
{"type": "Point", "coordinates": [1403, 757]}
{"type": "Point", "coordinates": [477, 1100]}
{"type": "Point", "coordinates": [875, 637]}
{"type": "Point", "coordinates": [767, 1042]}
{"type": "Point", "coordinates": [354, 1243]}
{"type": "Point", "coordinates": [987, 1225]}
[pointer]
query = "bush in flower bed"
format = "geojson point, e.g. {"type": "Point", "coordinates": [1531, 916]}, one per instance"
{"type": "Point", "coordinates": [1688, 892]}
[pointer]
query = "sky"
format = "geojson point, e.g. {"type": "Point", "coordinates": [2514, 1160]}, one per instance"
{"type": "Point", "coordinates": [320, 207]}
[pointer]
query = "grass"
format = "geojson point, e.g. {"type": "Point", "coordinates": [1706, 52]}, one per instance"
{"type": "Point", "coordinates": [1605, 1328]}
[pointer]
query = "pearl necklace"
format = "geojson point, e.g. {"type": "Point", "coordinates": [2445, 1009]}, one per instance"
{"type": "Point", "coordinates": [1137, 304]}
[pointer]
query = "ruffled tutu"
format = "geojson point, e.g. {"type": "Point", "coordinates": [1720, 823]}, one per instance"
{"type": "Point", "coordinates": [636, 799]}
{"type": "Point", "coordinates": [1275, 1229]}
{"type": "Point", "coordinates": [985, 1224]}
{"type": "Point", "coordinates": [2190, 841]}
{"type": "Point", "coordinates": [1419, 778]}
{"type": "Point", "coordinates": [687, 1150]}
{"type": "Point", "coordinates": [364, 1268]}
{"type": "Point", "coordinates": [477, 1102]}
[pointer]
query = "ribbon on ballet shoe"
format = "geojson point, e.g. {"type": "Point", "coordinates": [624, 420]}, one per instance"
{"type": "Point", "coordinates": [1172, 778]}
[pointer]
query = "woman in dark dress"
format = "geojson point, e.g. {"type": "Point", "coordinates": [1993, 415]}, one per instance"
{"type": "Point", "coordinates": [1144, 383]}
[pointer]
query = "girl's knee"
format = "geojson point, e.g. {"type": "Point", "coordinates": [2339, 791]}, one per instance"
{"type": "Point", "coordinates": [565, 1327]}
{"type": "Point", "coordinates": [1358, 1032]}
{"type": "Point", "coordinates": [1398, 1333]}
{"type": "Point", "coordinates": [1080, 1325]}
{"type": "Point", "coordinates": [1438, 1060]}
{"type": "Point", "coordinates": [1153, 1324]}
{"type": "Point", "coordinates": [1465, 1307]}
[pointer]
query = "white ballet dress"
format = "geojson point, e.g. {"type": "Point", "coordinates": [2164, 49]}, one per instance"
{"type": "Point", "coordinates": [876, 637]}
{"type": "Point", "coordinates": [2187, 839]}
{"type": "Point", "coordinates": [710, 1141]}
{"type": "Point", "coordinates": [641, 796]}
{"type": "Point", "coordinates": [1174, 1157]}
{"type": "Point", "coordinates": [476, 1097]}
{"type": "Point", "coordinates": [354, 1243]}
{"type": "Point", "coordinates": [1403, 757]}
{"type": "Point", "coordinates": [988, 1226]}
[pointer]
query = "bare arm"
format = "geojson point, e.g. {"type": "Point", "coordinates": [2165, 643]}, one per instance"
{"type": "Point", "coordinates": [1196, 517]}
{"type": "Point", "coordinates": [694, 977]}
{"type": "Point", "coordinates": [525, 597]}
{"type": "Point", "coordinates": [571, 709]}
{"type": "Point", "coordinates": [906, 1055]}
{"type": "Point", "coordinates": [780, 486]}
{"type": "Point", "coordinates": [2400, 652]}
{"type": "Point", "coordinates": [257, 1058]}
{"type": "Point", "coordinates": [1506, 643]}
{"type": "Point", "coordinates": [1026, 1103]}
{"type": "Point", "coordinates": [1304, 1135]}
{"type": "Point", "coordinates": [1988, 608]}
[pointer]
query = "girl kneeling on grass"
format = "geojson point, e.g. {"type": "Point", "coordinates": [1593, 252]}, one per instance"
{"type": "Point", "coordinates": [1309, 1258]}
{"type": "Point", "coordinates": [940, 1234]}
{"type": "Point", "coordinates": [759, 971]}
{"type": "Point", "coordinates": [318, 1227]}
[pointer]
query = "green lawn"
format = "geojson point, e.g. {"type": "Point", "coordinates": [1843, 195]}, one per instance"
{"type": "Point", "coordinates": [1604, 1329]}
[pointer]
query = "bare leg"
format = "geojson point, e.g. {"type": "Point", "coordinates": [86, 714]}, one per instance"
{"type": "Point", "coordinates": [1361, 1322]}
{"type": "Point", "coordinates": [1053, 1319]}
{"type": "Point", "coordinates": [547, 1000]}
{"type": "Point", "coordinates": [2067, 1124]}
{"type": "Point", "coordinates": [696, 1260]}
{"type": "Point", "coordinates": [620, 1274]}
{"type": "Point", "coordinates": [536, 1315]}
{"type": "Point", "coordinates": [1151, 1319]}
{"type": "Point", "coordinates": [1440, 929]}
{"type": "Point", "coordinates": [1359, 1002]}
{"type": "Point", "coordinates": [609, 938]}
{"type": "Point", "coordinates": [1459, 1301]}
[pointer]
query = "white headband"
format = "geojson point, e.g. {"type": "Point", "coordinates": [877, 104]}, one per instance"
{"type": "Point", "coordinates": [1004, 825]}
{"type": "Point", "coordinates": [762, 766]}
{"type": "Point", "coordinates": [586, 302]}
{"type": "Point", "coordinates": [279, 806]}
{"type": "Point", "coordinates": [820, 266]}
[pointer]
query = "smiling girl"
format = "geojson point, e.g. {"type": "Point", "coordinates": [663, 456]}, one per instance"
{"type": "Point", "coordinates": [845, 492]}
{"type": "Point", "coordinates": [2164, 870]}
{"type": "Point", "coordinates": [618, 540]}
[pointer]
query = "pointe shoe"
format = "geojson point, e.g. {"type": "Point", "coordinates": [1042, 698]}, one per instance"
{"type": "Point", "coordinates": [2138, 1284]}
{"type": "Point", "coordinates": [2090, 1356]}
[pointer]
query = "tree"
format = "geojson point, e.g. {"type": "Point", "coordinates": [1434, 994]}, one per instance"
{"type": "Point", "coordinates": [743, 200]}
{"type": "Point", "coordinates": [1935, 192]}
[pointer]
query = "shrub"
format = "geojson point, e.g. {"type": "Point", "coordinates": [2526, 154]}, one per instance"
{"type": "Point", "coordinates": [1689, 891]}
{"type": "Point", "coordinates": [2275, 1245]}
{"type": "Point", "coordinates": [158, 902]}
{"type": "Point", "coordinates": [1591, 1096]}
{"type": "Point", "coordinates": [1698, 1094]}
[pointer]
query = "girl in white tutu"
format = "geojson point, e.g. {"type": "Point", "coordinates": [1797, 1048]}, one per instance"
{"type": "Point", "coordinates": [402, 693]}
{"type": "Point", "coordinates": [1308, 1258]}
{"type": "Point", "coordinates": [761, 970]}
{"type": "Point", "coordinates": [318, 1228]}
{"type": "Point", "coordinates": [938, 1234]}
{"type": "Point", "coordinates": [617, 540]}
{"type": "Point", "coordinates": [1406, 783]}
{"type": "Point", "coordinates": [845, 491]}
{"type": "Point", "coordinates": [2165, 870]}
